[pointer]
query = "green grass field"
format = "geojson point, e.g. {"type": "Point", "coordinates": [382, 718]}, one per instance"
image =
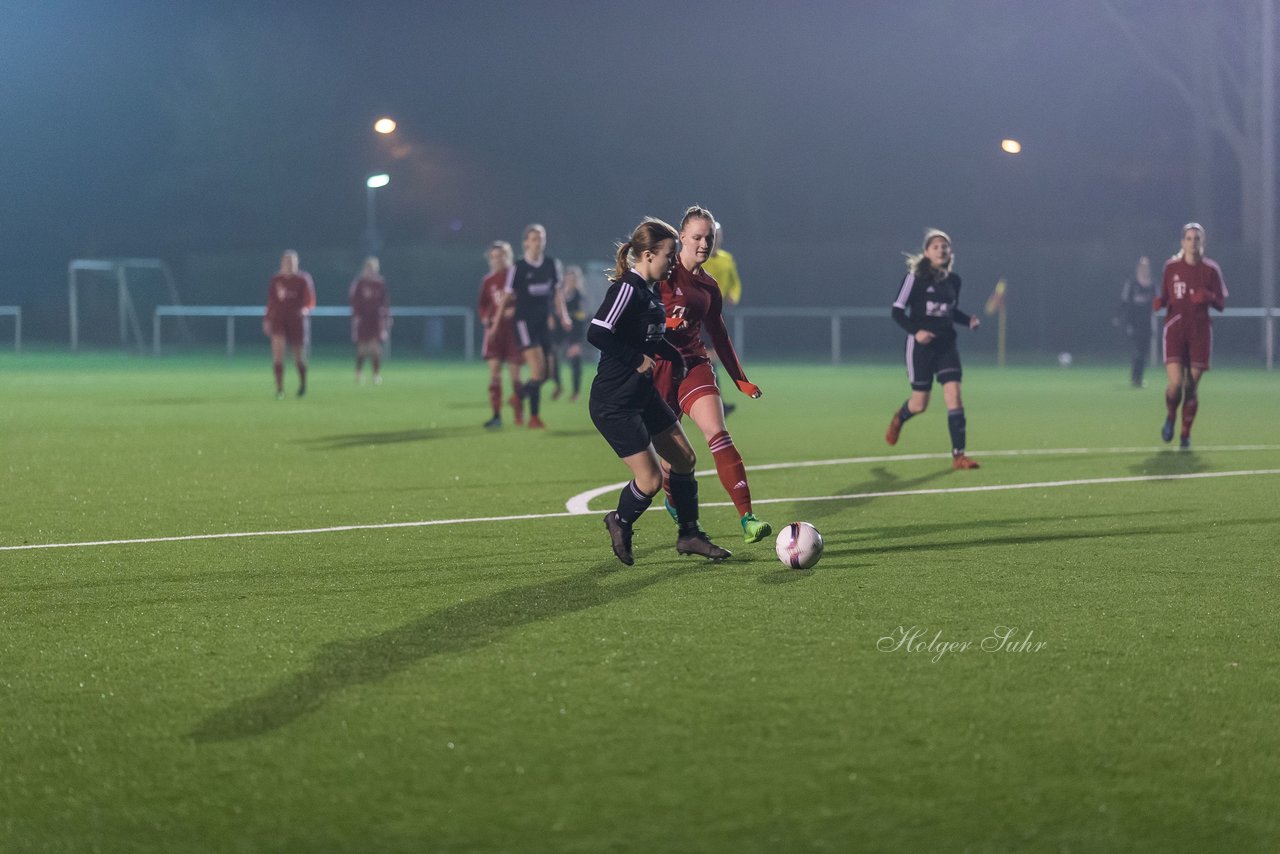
{"type": "Point", "coordinates": [509, 686]}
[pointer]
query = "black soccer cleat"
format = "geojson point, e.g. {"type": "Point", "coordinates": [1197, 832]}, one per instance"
{"type": "Point", "coordinates": [1185, 443]}
{"type": "Point", "coordinates": [495, 421]}
{"type": "Point", "coordinates": [302, 391]}
{"type": "Point", "coordinates": [1166, 432]}
{"type": "Point", "coordinates": [620, 536]}
{"type": "Point", "coordinates": [698, 543]}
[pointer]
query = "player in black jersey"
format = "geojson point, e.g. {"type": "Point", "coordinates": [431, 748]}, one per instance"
{"type": "Point", "coordinates": [568, 342]}
{"type": "Point", "coordinates": [534, 284]}
{"type": "Point", "coordinates": [626, 408]}
{"type": "Point", "coordinates": [926, 308]}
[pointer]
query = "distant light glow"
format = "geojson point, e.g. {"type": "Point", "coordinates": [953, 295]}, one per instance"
{"type": "Point", "coordinates": [385, 125]}
{"type": "Point", "coordinates": [1010, 146]}
{"type": "Point", "coordinates": [376, 181]}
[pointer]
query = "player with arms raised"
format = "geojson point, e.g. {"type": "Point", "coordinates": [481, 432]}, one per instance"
{"type": "Point", "coordinates": [290, 298]}
{"type": "Point", "coordinates": [693, 302]}
{"type": "Point", "coordinates": [1192, 284]}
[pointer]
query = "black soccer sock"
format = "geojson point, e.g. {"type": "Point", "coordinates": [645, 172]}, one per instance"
{"type": "Point", "coordinates": [575, 366]}
{"type": "Point", "coordinates": [955, 423]}
{"type": "Point", "coordinates": [684, 497]}
{"type": "Point", "coordinates": [905, 412]}
{"type": "Point", "coordinates": [533, 392]}
{"type": "Point", "coordinates": [632, 503]}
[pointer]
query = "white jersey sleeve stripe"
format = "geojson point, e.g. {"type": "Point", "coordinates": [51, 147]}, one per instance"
{"type": "Point", "coordinates": [904, 293]}
{"type": "Point", "coordinates": [619, 305]}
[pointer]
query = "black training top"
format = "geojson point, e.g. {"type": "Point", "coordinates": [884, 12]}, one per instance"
{"type": "Point", "coordinates": [627, 327]}
{"type": "Point", "coordinates": [926, 303]}
{"type": "Point", "coordinates": [534, 287]}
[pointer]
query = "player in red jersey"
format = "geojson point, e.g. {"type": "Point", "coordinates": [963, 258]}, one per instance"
{"type": "Point", "coordinates": [1192, 284]}
{"type": "Point", "coordinates": [500, 344]}
{"type": "Point", "coordinates": [370, 317]}
{"type": "Point", "coordinates": [290, 298]}
{"type": "Point", "coordinates": [693, 302]}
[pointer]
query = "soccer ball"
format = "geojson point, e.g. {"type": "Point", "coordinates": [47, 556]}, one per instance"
{"type": "Point", "coordinates": [799, 545]}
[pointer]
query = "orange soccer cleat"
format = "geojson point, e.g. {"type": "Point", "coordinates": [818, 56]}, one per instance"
{"type": "Point", "coordinates": [895, 428]}
{"type": "Point", "coordinates": [535, 423]}
{"type": "Point", "coordinates": [960, 461]}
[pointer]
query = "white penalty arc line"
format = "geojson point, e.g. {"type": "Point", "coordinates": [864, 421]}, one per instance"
{"type": "Point", "coordinates": [1046, 484]}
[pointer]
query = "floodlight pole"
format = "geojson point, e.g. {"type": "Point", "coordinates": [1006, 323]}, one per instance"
{"type": "Point", "coordinates": [1268, 242]}
{"type": "Point", "coordinates": [372, 240]}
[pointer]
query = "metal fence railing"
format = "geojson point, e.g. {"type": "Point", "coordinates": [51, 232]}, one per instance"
{"type": "Point", "coordinates": [231, 312]}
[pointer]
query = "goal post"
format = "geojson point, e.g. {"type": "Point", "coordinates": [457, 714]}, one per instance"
{"type": "Point", "coordinates": [117, 270]}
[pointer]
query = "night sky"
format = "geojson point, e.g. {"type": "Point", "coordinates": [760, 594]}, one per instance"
{"type": "Point", "coordinates": [164, 129]}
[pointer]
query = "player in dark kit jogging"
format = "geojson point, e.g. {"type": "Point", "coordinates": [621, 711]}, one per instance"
{"type": "Point", "coordinates": [626, 408]}
{"type": "Point", "coordinates": [926, 308]}
{"type": "Point", "coordinates": [534, 284]}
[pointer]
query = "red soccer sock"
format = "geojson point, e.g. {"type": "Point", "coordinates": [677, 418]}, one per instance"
{"type": "Point", "coordinates": [495, 397]}
{"type": "Point", "coordinates": [302, 375]}
{"type": "Point", "coordinates": [733, 474]}
{"type": "Point", "coordinates": [278, 369]}
{"type": "Point", "coordinates": [1189, 415]}
{"type": "Point", "coordinates": [1171, 401]}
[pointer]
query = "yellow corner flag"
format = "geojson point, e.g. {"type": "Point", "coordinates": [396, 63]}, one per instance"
{"type": "Point", "coordinates": [995, 302]}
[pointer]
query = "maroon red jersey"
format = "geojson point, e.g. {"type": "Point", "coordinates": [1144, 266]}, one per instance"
{"type": "Point", "coordinates": [370, 308]}
{"type": "Point", "coordinates": [1189, 290]}
{"type": "Point", "coordinates": [693, 303]}
{"type": "Point", "coordinates": [491, 289]}
{"type": "Point", "coordinates": [290, 297]}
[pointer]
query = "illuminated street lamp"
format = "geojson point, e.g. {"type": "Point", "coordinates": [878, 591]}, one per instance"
{"type": "Point", "coordinates": [385, 125]}
{"type": "Point", "coordinates": [1010, 146]}
{"type": "Point", "coordinates": [373, 241]}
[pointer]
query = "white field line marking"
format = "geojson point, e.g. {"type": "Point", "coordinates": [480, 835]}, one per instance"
{"type": "Point", "coordinates": [578, 504]}
{"type": "Point", "coordinates": [528, 516]}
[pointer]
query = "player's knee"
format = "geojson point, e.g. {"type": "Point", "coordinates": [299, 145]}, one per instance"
{"type": "Point", "coordinates": [649, 483]}
{"type": "Point", "coordinates": [682, 460]}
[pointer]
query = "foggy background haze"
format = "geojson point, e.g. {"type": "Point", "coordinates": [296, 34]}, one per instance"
{"type": "Point", "coordinates": [826, 136]}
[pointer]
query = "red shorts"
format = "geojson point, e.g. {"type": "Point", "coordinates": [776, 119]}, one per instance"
{"type": "Point", "coordinates": [1187, 344]}
{"type": "Point", "coordinates": [367, 329]}
{"type": "Point", "coordinates": [294, 330]}
{"type": "Point", "coordinates": [699, 382]}
{"type": "Point", "coordinates": [500, 343]}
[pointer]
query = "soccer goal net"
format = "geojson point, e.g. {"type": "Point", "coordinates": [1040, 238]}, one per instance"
{"type": "Point", "coordinates": [106, 298]}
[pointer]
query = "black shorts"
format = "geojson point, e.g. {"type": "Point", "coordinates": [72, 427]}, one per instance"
{"type": "Point", "coordinates": [938, 358]}
{"type": "Point", "coordinates": [630, 429]}
{"type": "Point", "coordinates": [532, 333]}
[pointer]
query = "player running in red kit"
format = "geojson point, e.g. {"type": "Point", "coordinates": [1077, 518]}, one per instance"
{"type": "Point", "coordinates": [1192, 284]}
{"type": "Point", "coordinates": [693, 302]}
{"type": "Point", "coordinates": [370, 317]}
{"type": "Point", "coordinates": [290, 298]}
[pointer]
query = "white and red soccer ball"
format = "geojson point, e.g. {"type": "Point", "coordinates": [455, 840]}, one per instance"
{"type": "Point", "coordinates": [799, 545]}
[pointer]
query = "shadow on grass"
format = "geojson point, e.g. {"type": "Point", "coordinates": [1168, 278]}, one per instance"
{"type": "Point", "coordinates": [458, 628]}
{"type": "Point", "coordinates": [389, 437]}
{"type": "Point", "coordinates": [882, 480]}
{"type": "Point", "coordinates": [1172, 461]}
